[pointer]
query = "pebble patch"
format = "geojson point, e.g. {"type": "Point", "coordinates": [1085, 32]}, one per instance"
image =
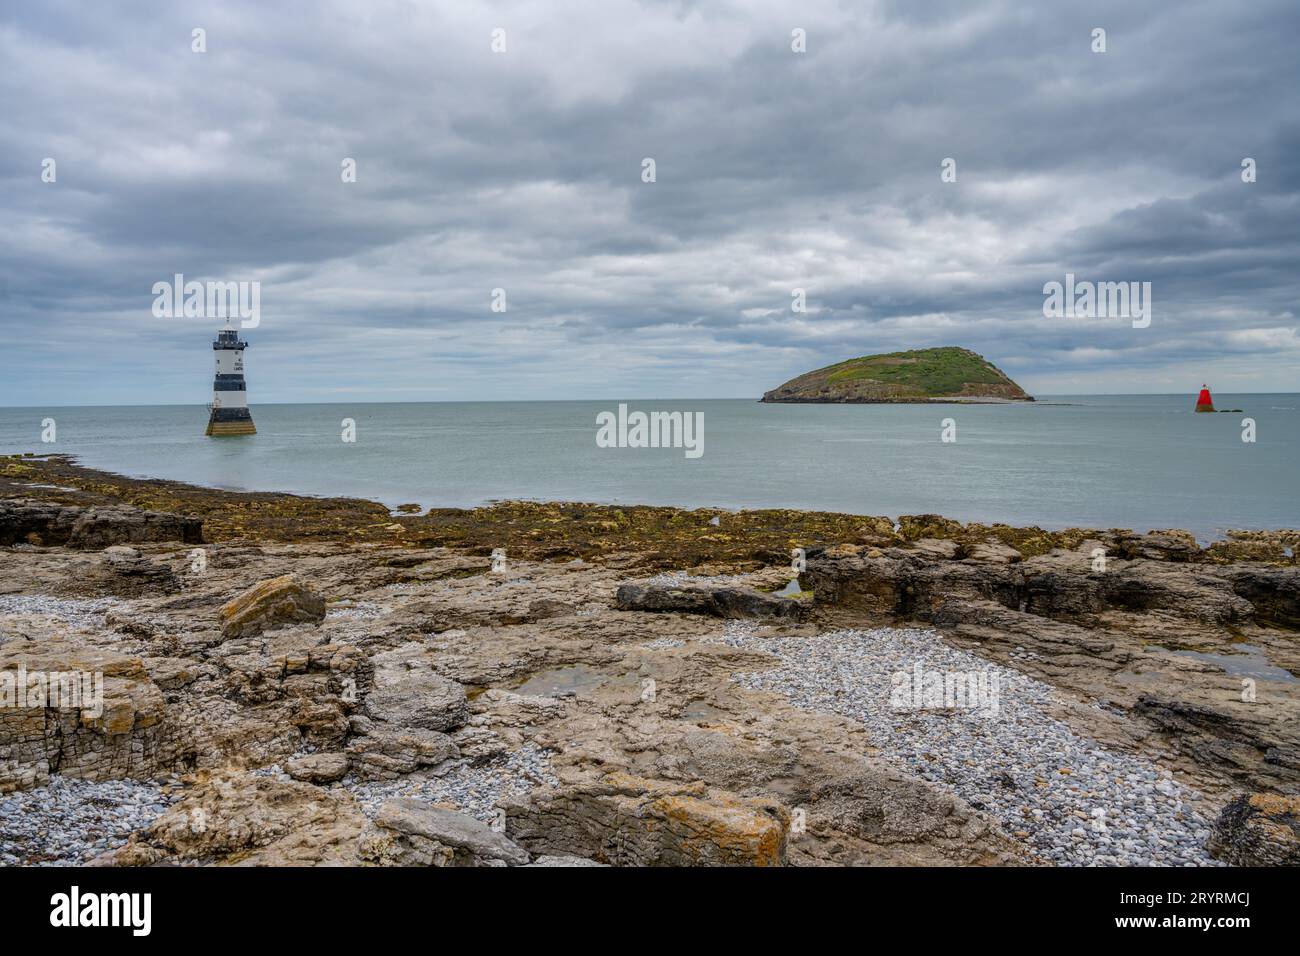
{"type": "Point", "coordinates": [69, 821]}
{"type": "Point", "coordinates": [680, 579]}
{"type": "Point", "coordinates": [663, 644]}
{"type": "Point", "coordinates": [474, 789]}
{"type": "Point", "coordinates": [82, 614]}
{"type": "Point", "coordinates": [1073, 802]}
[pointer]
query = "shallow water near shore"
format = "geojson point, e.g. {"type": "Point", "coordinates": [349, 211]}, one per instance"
{"type": "Point", "coordinates": [1137, 461]}
{"type": "Point", "coordinates": [1246, 661]}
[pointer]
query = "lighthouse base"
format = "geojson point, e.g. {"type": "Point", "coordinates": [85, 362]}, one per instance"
{"type": "Point", "coordinates": [230, 421]}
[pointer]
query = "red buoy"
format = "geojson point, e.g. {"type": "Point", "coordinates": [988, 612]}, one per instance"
{"type": "Point", "coordinates": [1203, 402]}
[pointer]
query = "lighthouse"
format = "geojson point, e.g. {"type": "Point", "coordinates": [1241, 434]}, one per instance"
{"type": "Point", "coordinates": [229, 400]}
{"type": "Point", "coordinates": [1203, 401]}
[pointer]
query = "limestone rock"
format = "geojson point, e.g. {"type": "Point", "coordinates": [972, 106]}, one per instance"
{"type": "Point", "coordinates": [1273, 592]}
{"type": "Point", "coordinates": [408, 692]}
{"type": "Point", "coordinates": [78, 527]}
{"type": "Point", "coordinates": [127, 572]}
{"type": "Point", "coordinates": [420, 699]}
{"type": "Point", "coordinates": [1061, 584]}
{"type": "Point", "coordinates": [383, 752]}
{"type": "Point", "coordinates": [1113, 629]}
{"type": "Point", "coordinates": [404, 716]}
{"type": "Point", "coordinates": [726, 601]}
{"type": "Point", "coordinates": [1161, 546]}
{"type": "Point", "coordinates": [1258, 829]}
{"type": "Point", "coordinates": [628, 821]}
{"type": "Point", "coordinates": [318, 768]}
{"type": "Point", "coordinates": [937, 548]}
{"type": "Point", "coordinates": [565, 861]}
{"type": "Point", "coordinates": [1148, 585]}
{"type": "Point", "coordinates": [1236, 549]}
{"type": "Point", "coordinates": [917, 527]}
{"type": "Point", "coordinates": [237, 818]}
{"type": "Point", "coordinates": [121, 558]}
{"type": "Point", "coordinates": [100, 716]}
{"type": "Point", "coordinates": [271, 604]}
{"type": "Point", "coordinates": [412, 833]}
{"type": "Point", "coordinates": [383, 689]}
{"type": "Point", "coordinates": [976, 619]}
{"type": "Point", "coordinates": [545, 608]}
{"type": "Point", "coordinates": [993, 551]}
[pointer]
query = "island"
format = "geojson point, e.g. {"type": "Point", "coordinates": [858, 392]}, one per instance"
{"type": "Point", "coordinates": [947, 374]}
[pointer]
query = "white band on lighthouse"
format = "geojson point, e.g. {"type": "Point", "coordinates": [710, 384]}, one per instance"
{"type": "Point", "coordinates": [229, 413]}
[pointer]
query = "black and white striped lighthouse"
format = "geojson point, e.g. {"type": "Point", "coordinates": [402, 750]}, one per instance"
{"type": "Point", "coordinates": [229, 406]}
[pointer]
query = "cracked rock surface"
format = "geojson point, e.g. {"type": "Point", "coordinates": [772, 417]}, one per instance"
{"type": "Point", "coordinates": [346, 700]}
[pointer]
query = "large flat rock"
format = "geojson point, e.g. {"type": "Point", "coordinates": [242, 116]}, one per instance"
{"type": "Point", "coordinates": [724, 601]}
{"type": "Point", "coordinates": [48, 523]}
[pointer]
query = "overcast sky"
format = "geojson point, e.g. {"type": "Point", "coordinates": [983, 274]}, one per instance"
{"type": "Point", "coordinates": [522, 170]}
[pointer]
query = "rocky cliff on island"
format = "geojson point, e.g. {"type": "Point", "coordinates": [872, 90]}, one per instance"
{"type": "Point", "coordinates": [945, 374]}
{"type": "Point", "coordinates": [293, 681]}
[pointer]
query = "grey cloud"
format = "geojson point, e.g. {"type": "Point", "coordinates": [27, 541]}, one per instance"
{"type": "Point", "coordinates": [522, 171]}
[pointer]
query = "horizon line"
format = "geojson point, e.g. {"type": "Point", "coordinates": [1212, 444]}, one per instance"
{"type": "Point", "coordinates": [542, 401]}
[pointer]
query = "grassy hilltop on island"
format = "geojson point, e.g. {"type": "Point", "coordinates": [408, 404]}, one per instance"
{"type": "Point", "coordinates": [948, 373]}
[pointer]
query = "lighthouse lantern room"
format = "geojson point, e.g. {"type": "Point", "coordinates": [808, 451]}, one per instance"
{"type": "Point", "coordinates": [229, 408]}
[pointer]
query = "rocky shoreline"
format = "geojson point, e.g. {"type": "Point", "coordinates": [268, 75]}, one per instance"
{"type": "Point", "coordinates": [291, 680]}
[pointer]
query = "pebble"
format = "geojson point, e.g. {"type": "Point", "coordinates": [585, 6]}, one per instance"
{"type": "Point", "coordinates": [1058, 776]}
{"type": "Point", "coordinates": [473, 788]}
{"type": "Point", "coordinates": [679, 579]}
{"type": "Point", "coordinates": [70, 821]}
{"type": "Point", "coordinates": [663, 643]}
{"type": "Point", "coordinates": [79, 613]}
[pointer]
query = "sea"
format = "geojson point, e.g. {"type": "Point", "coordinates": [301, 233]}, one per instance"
{"type": "Point", "coordinates": [1113, 461]}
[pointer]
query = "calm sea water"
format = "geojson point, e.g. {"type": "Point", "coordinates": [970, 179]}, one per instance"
{"type": "Point", "coordinates": [1110, 461]}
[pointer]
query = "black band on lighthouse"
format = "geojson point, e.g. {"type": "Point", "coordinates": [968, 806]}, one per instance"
{"type": "Point", "coordinates": [228, 413]}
